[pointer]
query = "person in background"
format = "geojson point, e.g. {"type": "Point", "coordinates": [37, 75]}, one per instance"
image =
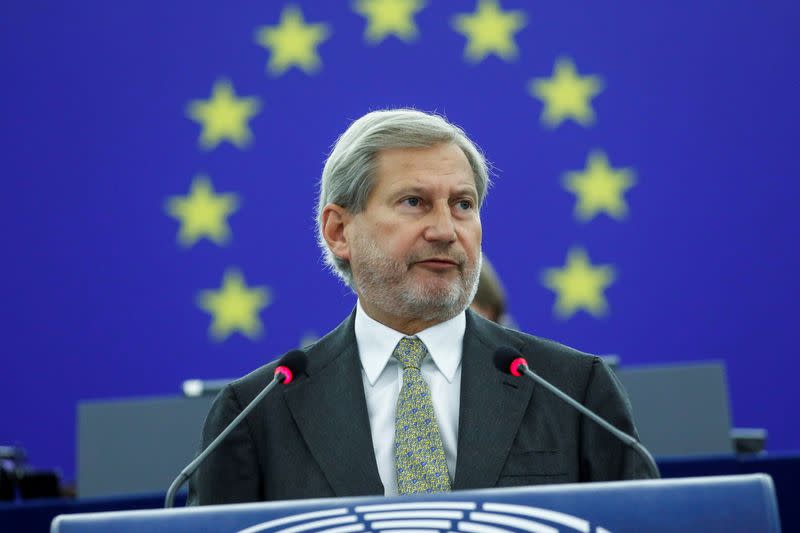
{"type": "Point", "coordinates": [490, 299]}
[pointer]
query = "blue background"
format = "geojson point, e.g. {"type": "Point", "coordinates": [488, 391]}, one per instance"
{"type": "Point", "coordinates": [99, 300]}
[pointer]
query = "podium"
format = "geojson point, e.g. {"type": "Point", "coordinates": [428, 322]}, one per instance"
{"type": "Point", "coordinates": [709, 504]}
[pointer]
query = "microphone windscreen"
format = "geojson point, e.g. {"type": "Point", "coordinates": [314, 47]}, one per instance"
{"type": "Point", "coordinates": [296, 361]}
{"type": "Point", "coordinates": [503, 357]}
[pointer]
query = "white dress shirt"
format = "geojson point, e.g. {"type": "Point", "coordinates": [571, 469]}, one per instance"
{"type": "Point", "coordinates": [383, 377]}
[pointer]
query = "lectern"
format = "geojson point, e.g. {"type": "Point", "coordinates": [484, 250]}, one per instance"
{"type": "Point", "coordinates": [710, 504]}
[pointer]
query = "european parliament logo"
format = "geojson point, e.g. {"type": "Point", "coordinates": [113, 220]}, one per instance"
{"type": "Point", "coordinates": [430, 517]}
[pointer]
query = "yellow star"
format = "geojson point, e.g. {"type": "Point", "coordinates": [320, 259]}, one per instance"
{"type": "Point", "coordinates": [202, 213]}
{"type": "Point", "coordinates": [292, 42]}
{"type": "Point", "coordinates": [490, 30]}
{"type": "Point", "coordinates": [600, 188]}
{"type": "Point", "coordinates": [223, 116]}
{"type": "Point", "coordinates": [566, 94]}
{"type": "Point", "coordinates": [579, 285]}
{"type": "Point", "coordinates": [389, 17]}
{"type": "Point", "coordinates": [234, 307]}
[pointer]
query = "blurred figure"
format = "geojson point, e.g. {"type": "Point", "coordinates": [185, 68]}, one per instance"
{"type": "Point", "coordinates": [490, 300]}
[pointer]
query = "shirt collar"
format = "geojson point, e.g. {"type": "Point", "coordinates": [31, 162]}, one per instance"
{"type": "Point", "coordinates": [376, 342]}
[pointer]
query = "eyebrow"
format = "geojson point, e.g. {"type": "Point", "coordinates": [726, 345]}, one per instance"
{"type": "Point", "coordinates": [415, 189]}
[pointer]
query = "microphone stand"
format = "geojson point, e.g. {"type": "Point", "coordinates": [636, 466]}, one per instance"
{"type": "Point", "coordinates": [621, 435]}
{"type": "Point", "coordinates": [169, 501]}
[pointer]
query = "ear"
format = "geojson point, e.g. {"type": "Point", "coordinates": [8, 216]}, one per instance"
{"type": "Point", "coordinates": [334, 220]}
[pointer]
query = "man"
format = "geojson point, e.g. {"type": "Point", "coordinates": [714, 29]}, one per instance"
{"type": "Point", "coordinates": [402, 397]}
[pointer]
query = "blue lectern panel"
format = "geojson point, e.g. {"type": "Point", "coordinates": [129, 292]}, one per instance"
{"type": "Point", "coordinates": [734, 503]}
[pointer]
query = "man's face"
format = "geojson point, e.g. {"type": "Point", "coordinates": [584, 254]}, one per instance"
{"type": "Point", "coordinates": [415, 249]}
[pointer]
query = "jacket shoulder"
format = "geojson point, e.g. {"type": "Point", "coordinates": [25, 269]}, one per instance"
{"type": "Point", "coordinates": [537, 349]}
{"type": "Point", "coordinates": [320, 354]}
{"type": "Point", "coordinates": [247, 387]}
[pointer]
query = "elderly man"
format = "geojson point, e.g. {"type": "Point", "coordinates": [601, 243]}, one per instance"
{"type": "Point", "coordinates": [402, 397]}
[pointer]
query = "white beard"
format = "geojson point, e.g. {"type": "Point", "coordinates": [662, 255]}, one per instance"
{"type": "Point", "coordinates": [386, 284]}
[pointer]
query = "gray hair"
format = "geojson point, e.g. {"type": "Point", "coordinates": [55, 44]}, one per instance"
{"type": "Point", "coordinates": [350, 170]}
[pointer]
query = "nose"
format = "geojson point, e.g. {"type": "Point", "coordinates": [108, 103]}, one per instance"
{"type": "Point", "coordinates": [440, 225]}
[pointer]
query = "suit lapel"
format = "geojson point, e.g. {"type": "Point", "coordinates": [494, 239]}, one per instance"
{"type": "Point", "coordinates": [492, 407]}
{"type": "Point", "coordinates": [330, 409]}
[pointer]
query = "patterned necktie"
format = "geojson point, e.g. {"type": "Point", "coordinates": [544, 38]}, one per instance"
{"type": "Point", "coordinates": [419, 458]}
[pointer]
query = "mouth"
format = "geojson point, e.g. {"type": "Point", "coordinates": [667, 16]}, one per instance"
{"type": "Point", "coordinates": [437, 263]}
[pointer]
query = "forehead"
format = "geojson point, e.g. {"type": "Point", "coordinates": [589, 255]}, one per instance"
{"type": "Point", "coordinates": [442, 165]}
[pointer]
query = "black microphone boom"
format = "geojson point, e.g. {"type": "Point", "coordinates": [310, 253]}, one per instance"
{"type": "Point", "coordinates": [292, 364]}
{"type": "Point", "coordinates": [509, 361]}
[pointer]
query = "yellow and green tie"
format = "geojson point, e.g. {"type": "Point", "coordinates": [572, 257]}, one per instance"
{"type": "Point", "coordinates": [419, 458]}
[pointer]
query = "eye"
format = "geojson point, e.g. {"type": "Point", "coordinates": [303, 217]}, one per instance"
{"type": "Point", "coordinates": [465, 204]}
{"type": "Point", "coordinates": [412, 201]}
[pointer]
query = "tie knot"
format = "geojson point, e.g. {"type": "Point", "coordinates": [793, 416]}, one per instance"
{"type": "Point", "coordinates": [410, 351]}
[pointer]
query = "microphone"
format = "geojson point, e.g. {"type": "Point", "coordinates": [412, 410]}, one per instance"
{"type": "Point", "coordinates": [291, 364]}
{"type": "Point", "coordinates": [510, 361]}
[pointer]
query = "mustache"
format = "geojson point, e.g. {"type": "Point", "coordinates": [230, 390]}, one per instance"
{"type": "Point", "coordinates": [444, 251]}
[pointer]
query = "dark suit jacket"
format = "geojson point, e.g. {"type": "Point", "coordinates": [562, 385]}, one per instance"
{"type": "Point", "coordinates": [311, 438]}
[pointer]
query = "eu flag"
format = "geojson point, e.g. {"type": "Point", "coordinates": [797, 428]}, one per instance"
{"type": "Point", "coordinates": [160, 164]}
